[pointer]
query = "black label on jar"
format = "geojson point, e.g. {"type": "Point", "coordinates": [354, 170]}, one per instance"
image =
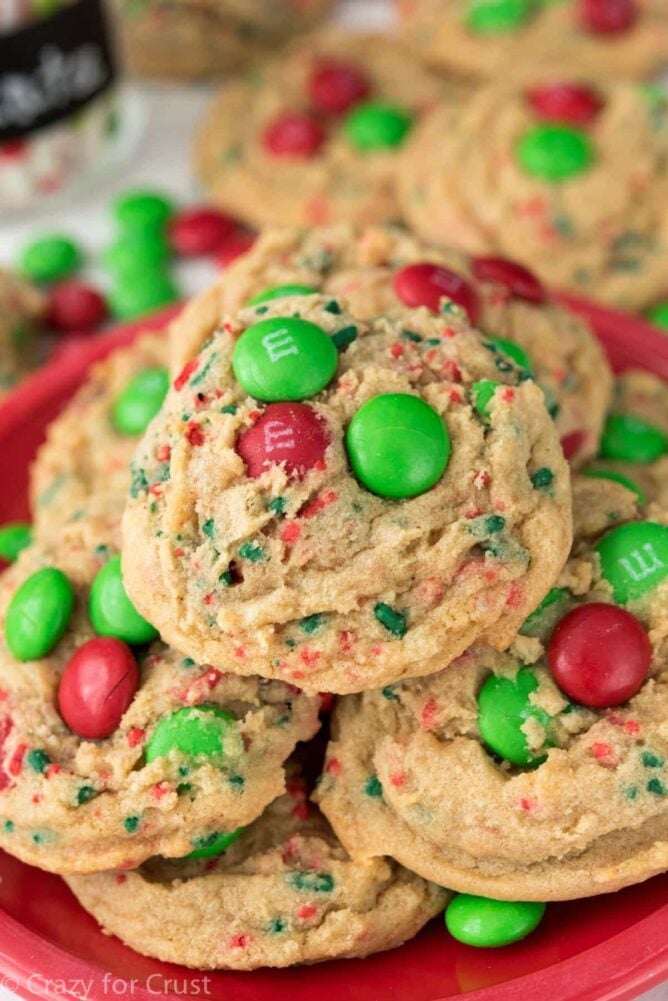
{"type": "Point", "coordinates": [51, 69]}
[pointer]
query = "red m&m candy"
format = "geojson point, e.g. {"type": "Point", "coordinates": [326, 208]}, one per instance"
{"type": "Point", "coordinates": [292, 434]}
{"type": "Point", "coordinates": [296, 135]}
{"type": "Point", "coordinates": [425, 284]}
{"type": "Point", "coordinates": [571, 444]}
{"type": "Point", "coordinates": [199, 231]}
{"type": "Point", "coordinates": [75, 306]}
{"type": "Point", "coordinates": [516, 278]}
{"type": "Point", "coordinates": [335, 86]}
{"type": "Point", "coordinates": [607, 17]}
{"type": "Point", "coordinates": [97, 686]}
{"type": "Point", "coordinates": [565, 102]}
{"type": "Point", "coordinates": [234, 246]}
{"type": "Point", "coordinates": [599, 655]}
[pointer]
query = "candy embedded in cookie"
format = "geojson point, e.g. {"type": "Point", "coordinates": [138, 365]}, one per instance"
{"type": "Point", "coordinates": [112, 750]}
{"type": "Point", "coordinates": [321, 500]}
{"type": "Point", "coordinates": [539, 774]}
{"type": "Point", "coordinates": [282, 892]}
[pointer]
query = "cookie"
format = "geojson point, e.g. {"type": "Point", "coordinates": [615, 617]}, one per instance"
{"type": "Point", "coordinates": [376, 270]}
{"type": "Point", "coordinates": [80, 478]}
{"type": "Point", "coordinates": [411, 499]}
{"type": "Point", "coordinates": [285, 892]}
{"type": "Point", "coordinates": [542, 175]}
{"type": "Point", "coordinates": [190, 39]}
{"type": "Point", "coordinates": [634, 448]}
{"type": "Point", "coordinates": [312, 137]}
{"type": "Point", "coordinates": [21, 308]}
{"type": "Point", "coordinates": [498, 39]}
{"type": "Point", "coordinates": [538, 774]}
{"type": "Point", "coordinates": [111, 752]}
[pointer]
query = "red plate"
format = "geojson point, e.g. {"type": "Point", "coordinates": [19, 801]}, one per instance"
{"type": "Point", "coordinates": [607, 947]}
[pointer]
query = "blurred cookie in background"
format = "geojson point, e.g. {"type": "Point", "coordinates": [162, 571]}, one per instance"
{"type": "Point", "coordinates": [21, 309]}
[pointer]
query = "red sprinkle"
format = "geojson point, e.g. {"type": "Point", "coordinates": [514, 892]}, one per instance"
{"type": "Point", "coordinates": [16, 760]}
{"type": "Point", "coordinates": [194, 434]}
{"type": "Point", "coordinates": [120, 879]}
{"type": "Point", "coordinates": [428, 716]}
{"type": "Point", "coordinates": [163, 453]}
{"type": "Point", "coordinates": [320, 502]}
{"type": "Point", "coordinates": [333, 767]}
{"type": "Point", "coordinates": [136, 736]}
{"type": "Point", "coordinates": [306, 911]}
{"type": "Point", "coordinates": [185, 374]}
{"type": "Point", "coordinates": [239, 941]}
{"type": "Point", "coordinates": [291, 532]}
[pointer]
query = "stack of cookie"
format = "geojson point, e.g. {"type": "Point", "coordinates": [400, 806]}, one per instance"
{"type": "Point", "coordinates": [343, 477]}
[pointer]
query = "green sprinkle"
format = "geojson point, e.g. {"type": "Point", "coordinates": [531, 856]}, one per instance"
{"type": "Point", "coordinates": [651, 760]}
{"type": "Point", "coordinates": [229, 408]}
{"type": "Point", "coordinates": [333, 307]}
{"type": "Point", "coordinates": [84, 794]}
{"type": "Point", "coordinates": [226, 579]}
{"type": "Point", "coordinates": [38, 760]}
{"type": "Point", "coordinates": [542, 478]}
{"type": "Point", "coordinates": [138, 483]}
{"type": "Point", "coordinates": [237, 781]}
{"type": "Point", "coordinates": [390, 694]}
{"type": "Point", "coordinates": [343, 337]}
{"type": "Point", "coordinates": [276, 926]}
{"type": "Point", "coordinates": [8, 826]}
{"type": "Point", "coordinates": [410, 335]}
{"type": "Point", "coordinates": [373, 787]}
{"type": "Point", "coordinates": [187, 662]}
{"type": "Point", "coordinates": [495, 523]}
{"type": "Point", "coordinates": [657, 787]}
{"type": "Point", "coordinates": [131, 824]}
{"type": "Point", "coordinates": [394, 622]}
{"type": "Point", "coordinates": [631, 792]}
{"type": "Point", "coordinates": [311, 882]}
{"type": "Point", "coordinates": [208, 528]}
{"type": "Point", "coordinates": [311, 623]}
{"type": "Point", "coordinates": [251, 551]}
{"type": "Point", "coordinates": [277, 505]}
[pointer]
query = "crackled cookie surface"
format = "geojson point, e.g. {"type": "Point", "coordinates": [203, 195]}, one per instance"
{"type": "Point", "coordinates": [496, 39]}
{"type": "Point", "coordinates": [410, 498]}
{"type": "Point", "coordinates": [21, 306]}
{"type": "Point", "coordinates": [542, 174]}
{"type": "Point", "coordinates": [378, 270]}
{"type": "Point", "coordinates": [112, 751]}
{"type": "Point", "coordinates": [313, 136]}
{"type": "Point", "coordinates": [634, 447]}
{"type": "Point", "coordinates": [284, 892]}
{"type": "Point", "coordinates": [538, 774]}
{"type": "Point", "coordinates": [208, 38]}
{"type": "Point", "coordinates": [81, 473]}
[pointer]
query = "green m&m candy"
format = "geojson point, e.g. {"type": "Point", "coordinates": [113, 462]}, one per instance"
{"type": "Point", "coordinates": [111, 611]}
{"type": "Point", "coordinates": [38, 614]}
{"type": "Point", "coordinates": [284, 359]}
{"type": "Point", "coordinates": [482, 394]}
{"type": "Point", "coordinates": [214, 844]}
{"type": "Point", "coordinates": [492, 17]}
{"type": "Point", "coordinates": [487, 924]}
{"type": "Point", "coordinates": [50, 258]}
{"type": "Point", "coordinates": [658, 314]}
{"type": "Point", "coordinates": [376, 125]}
{"type": "Point", "coordinates": [133, 252]}
{"type": "Point", "coordinates": [195, 731]}
{"type": "Point", "coordinates": [512, 351]}
{"type": "Point", "coordinates": [634, 558]}
{"type": "Point", "coordinates": [554, 152]}
{"type": "Point", "coordinates": [280, 292]}
{"type": "Point", "coordinates": [503, 707]}
{"type": "Point", "coordinates": [142, 210]}
{"type": "Point", "coordinates": [137, 404]}
{"type": "Point", "coordinates": [398, 445]}
{"type": "Point", "coordinates": [609, 474]}
{"type": "Point", "coordinates": [14, 537]}
{"type": "Point", "coordinates": [141, 292]}
{"type": "Point", "coordinates": [632, 439]}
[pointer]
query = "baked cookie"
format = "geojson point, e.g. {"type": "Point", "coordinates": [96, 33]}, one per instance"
{"type": "Point", "coordinates": [543, 175]}
{"type": "Point", "coordinates": [284, 892]}
{"type": "Point", "coordinates": [21, 308]}
{"type": "Point", "coordinates": [190, 39]}
{"type": "Point", "coordinates": [498, 39]}
{"type": "Point", "coordinates": [418, 501]}
{"type": "Point", "coordinates": [538, 774]}
{"type": "Point", "coordinates": [111, 752]}
{"type": "Point", "coordinates": [378, 270]}
{"type": "Point", "coordinates": [80, 478]}
{"type": "Point", "coordinates": [312, 137]}
{"type": "Point", "coordinates": [634, 447]}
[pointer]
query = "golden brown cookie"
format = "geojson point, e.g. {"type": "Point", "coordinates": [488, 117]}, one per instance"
{"type": "Point", "coordinates": [189, 39]}
{"type": "Point", "coordinates": [312, 136]}
{"type": "Point", "coordinates": [522, 173]}
{"type": "Point", "coordinates": [250, 541]}
{"type": "Point", "coordinates": [285, 892]}
{"type": "Point", "coordinates": [498, 39]}
{"type": "Point", "coordinates": [376, 270]}
{"type": "Point", "coordinates": [112, 751]}
{"type": "Point", "coordinates": [538, 774]}
{"type": "Point", "coordinates": [21, 308]}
